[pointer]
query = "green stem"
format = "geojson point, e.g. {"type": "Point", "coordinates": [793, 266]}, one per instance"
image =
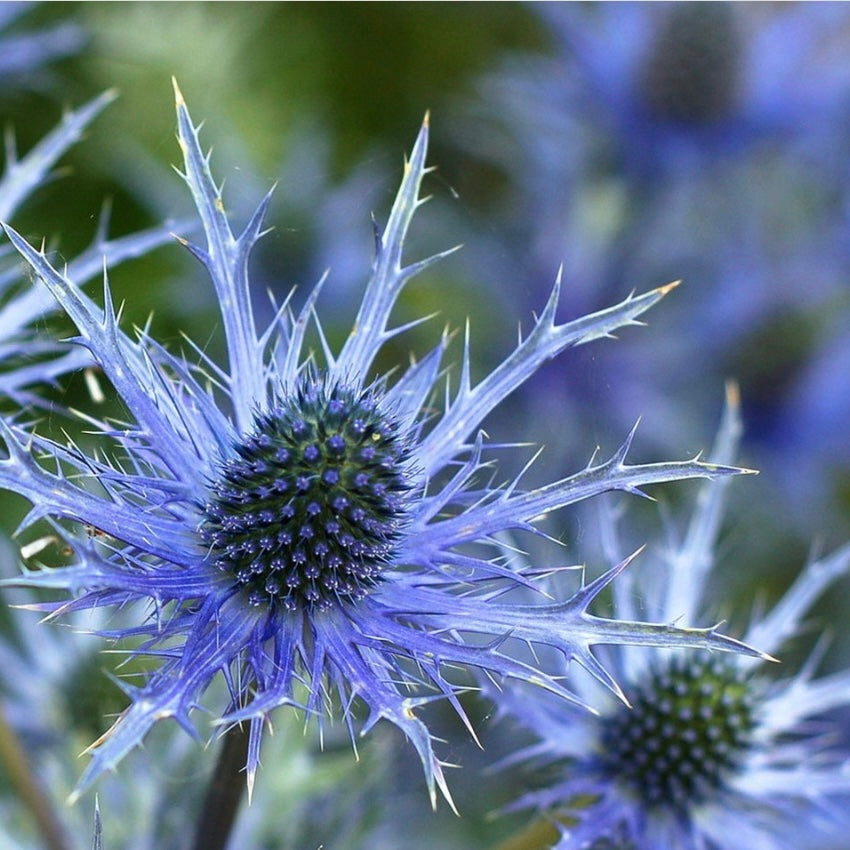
{"type": "Point", "coordinates": [538, 835]}
{"type": "Point", "coordinates": [18, 768]}
{"type": "Point", "coordinates": [224, 794]}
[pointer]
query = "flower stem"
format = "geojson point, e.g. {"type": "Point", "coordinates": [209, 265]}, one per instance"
{"type": "Point", "coordinates": [538, 835]}
{"type": "Point", "coordinates": [19, 771]}
{"type": "Point", "coordinates": [224, 794]}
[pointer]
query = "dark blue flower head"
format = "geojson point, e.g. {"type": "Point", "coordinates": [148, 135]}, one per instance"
{"type": "Point", "coordinates": [311, 508]}
{"type": "Point", "coordinates": [302, 529]}
{"type": "Point", "coordinates": [690, 724]}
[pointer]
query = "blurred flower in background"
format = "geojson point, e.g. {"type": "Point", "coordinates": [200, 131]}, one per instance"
{"type": "Point", "coordinates": [713, 751]}
{"type": "Point", "coordinates": [699, 141]}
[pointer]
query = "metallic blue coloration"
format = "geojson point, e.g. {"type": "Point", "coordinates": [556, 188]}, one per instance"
{"type": "Point", "coordinates": [305, 532]}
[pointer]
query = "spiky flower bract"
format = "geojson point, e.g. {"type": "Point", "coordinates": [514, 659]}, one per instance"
{"type": "Point", "coordinates": [715, 752]}
{"type": "Point", "coordinates": [310, 531]}
{"type": "Point", "coordinates": [24, 361]}
{"type": "Point", "coordinates": [56, 697]}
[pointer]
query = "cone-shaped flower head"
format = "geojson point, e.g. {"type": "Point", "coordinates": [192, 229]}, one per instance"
{"type": "Point", "coordinates": [714, 752]}
{"type": "Point", "coordinates": [300, 525]}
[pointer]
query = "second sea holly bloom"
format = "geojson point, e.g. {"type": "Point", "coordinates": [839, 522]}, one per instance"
{"type": "Point", "coordinates": [714, 752]}
{"type": "Point", "coordinates": [303, 527]}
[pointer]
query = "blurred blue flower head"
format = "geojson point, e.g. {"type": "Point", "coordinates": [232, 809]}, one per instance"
{"type": "Point", "coordinates": [307, 530]}
{"type": "Point", "coordinates": [705, 140]}
{"type": "Point", "coordinates": [677, 85]}
{"type": "Point", "coordinates": [713, 751]}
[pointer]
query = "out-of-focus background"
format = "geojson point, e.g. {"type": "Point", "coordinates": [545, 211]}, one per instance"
{"type": "Point", "coordinates": [630, 144]}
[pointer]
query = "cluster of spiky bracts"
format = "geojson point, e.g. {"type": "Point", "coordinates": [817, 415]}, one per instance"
{"type": "Point", "coordinates": [317, 536]}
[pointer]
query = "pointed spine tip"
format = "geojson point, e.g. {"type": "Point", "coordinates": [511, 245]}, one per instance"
{"type": "Point", "coordinates": [668, 287]}
{"type": "Point", "coordinates": [426, 121]}
{"type": "Point", "coordinates": [733, 393]}
{"type": "Point", "coordinates": [178, 95]}
{"type": "Point", "coordinates": [723, 469]}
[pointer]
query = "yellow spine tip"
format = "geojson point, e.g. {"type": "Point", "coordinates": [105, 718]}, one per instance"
{"type": "Point", "coordinates": [178, 95]}
{"type": "Point", "coordinates": [668, 287]}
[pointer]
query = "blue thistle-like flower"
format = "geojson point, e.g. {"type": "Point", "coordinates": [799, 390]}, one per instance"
{"type": "Point", "coordinates": [24, 361]}
{"type": "Point", "coordinates": [303, 528]}
{"type": "Point", "coordinates": [713, 752]}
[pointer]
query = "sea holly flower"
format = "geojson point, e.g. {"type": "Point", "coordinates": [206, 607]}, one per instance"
{"type": "Point", "coordinates": [679, 87]}
{"type": "Point", "coordinates": [24, 360]}
{"type": "Point", "coordinates": [312, 532]}
{"type": "Point", "coordinates": [715, 751]}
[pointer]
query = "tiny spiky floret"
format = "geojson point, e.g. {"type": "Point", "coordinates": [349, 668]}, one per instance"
{"type": "Point", "coordinates": [300, 525]}
{"type": "Point", "coordinates": [714, 753]}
